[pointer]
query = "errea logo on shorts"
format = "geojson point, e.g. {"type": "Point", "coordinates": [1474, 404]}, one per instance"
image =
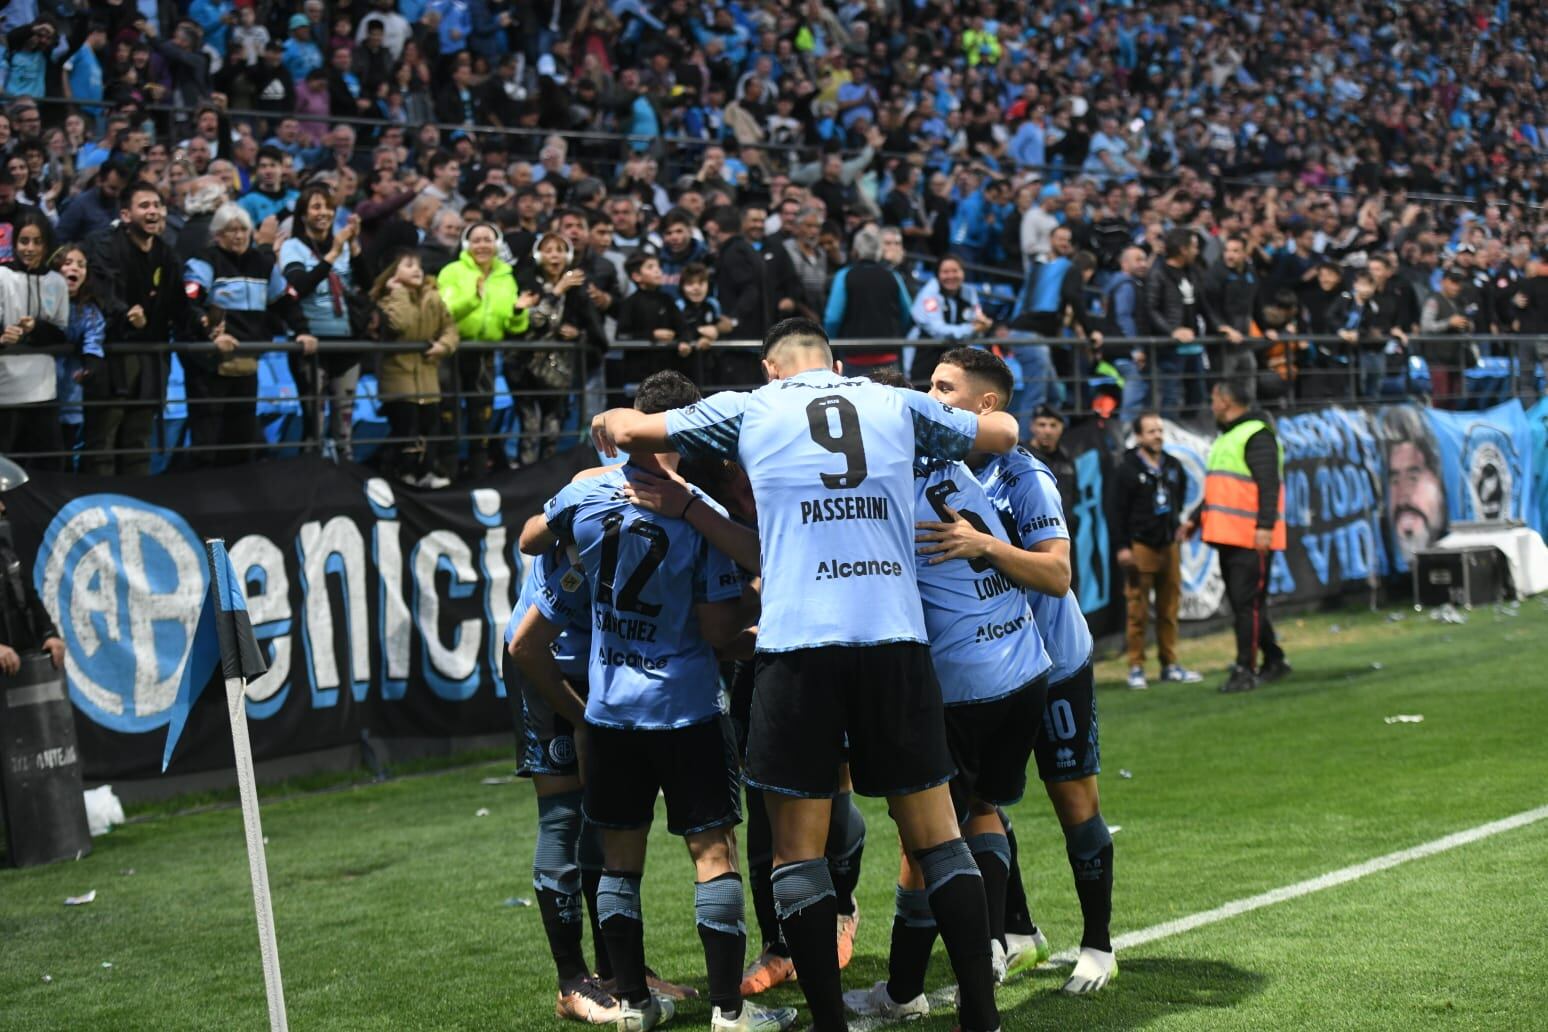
{"type": "Point", "coordinates": [126, 581]}
{"type": "Point", "coordinates": [1064, 757]}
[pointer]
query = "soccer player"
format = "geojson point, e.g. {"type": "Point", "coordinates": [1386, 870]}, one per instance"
{"type": "Point", "coordinates": [662, 600]}
{"type": "Point", "coordinates": [846, 829]}
{"type": "Point", "coordinates": [841, 639]}
{"type": "Point", "coordinates": [1068, 758]}
{"type": "Point", "coordinates": [561, 873]}
{"type": "Point", "coordinates": [992, 665]}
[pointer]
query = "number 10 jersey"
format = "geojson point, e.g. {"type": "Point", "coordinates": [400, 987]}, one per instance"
{"type": "Point", "coordinates": [831, 462]}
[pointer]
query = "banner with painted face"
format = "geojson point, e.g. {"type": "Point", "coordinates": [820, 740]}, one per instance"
{"type": "Point", "coordinates": [379, 608]}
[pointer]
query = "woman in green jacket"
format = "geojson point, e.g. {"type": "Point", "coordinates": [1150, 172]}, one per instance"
{"type": "Point", "coordinates": [480, 292]}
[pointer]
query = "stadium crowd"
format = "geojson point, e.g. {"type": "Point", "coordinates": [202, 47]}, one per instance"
{"type": "Point", "coordinates": [1286, 192]}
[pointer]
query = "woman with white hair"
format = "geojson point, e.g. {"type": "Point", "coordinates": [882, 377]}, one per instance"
{"type": "Point", "coordinates": [238, 300]}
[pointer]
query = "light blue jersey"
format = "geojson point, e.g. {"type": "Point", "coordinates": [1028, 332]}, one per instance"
{"type": "Point", "coordinates": [1028, 491]}
{"type": "Point", "coordinates": [650, 667]}
{"type": "Point", "coordinates": [544, 587]}
{"type": "Point", "coordinates": [983, 638]}
{"type": "Point", "coordinates": [831, 464]}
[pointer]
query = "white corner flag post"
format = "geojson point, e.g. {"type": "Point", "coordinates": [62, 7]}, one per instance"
{"type": "Point", "coordinates": [241, 659]}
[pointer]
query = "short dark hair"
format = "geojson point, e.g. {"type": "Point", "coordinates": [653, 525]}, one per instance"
{"type": "Point", "coordinates": [440, 159]}
{"type": "Point", "coordinates": [797, 331]}
{"type": "Point", "coordinates": [727, 218]}
{"type": "Point", "coordinates": [1176, 240]}
{"type": "Point", "coordinates": [636, 261]}
{"type": "Point", "coordinates": [1139, 420]}
{"type": "Point", "coordinates": [985, 365]}
{"type": "Point", "coordinates": [1237, 390]}
{"type": "Point", "coordinates": [693, 272]}
{"type": "Point", "coordinates": [272, 153]}
{"type": "Point", "coordinates": [889, 377]}
{"type": "Point", "coordinates": [677, 217]}
{"type": "Point", "coordinates": [139, 186]}
{"type": "Point", "coordinates": [597, 218]}
{"type": "Point", "coordinates": [664, 391]}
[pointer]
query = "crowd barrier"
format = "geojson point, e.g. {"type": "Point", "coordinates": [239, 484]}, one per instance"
{"type": "Point", "coordinates": [380, 606]}
{"type": "Point", "coordinates": [1069, 380]}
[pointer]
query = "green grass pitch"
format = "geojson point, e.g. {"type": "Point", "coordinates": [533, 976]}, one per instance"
{"type": "Point", "coordinates": [390, 899]}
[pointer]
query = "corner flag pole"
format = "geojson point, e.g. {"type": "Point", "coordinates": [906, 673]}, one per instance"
{"type": "Point", "coordinates": [241, 658]}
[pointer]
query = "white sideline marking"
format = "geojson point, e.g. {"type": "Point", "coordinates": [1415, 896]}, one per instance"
{"type": "Point", "coordinates": [1342, 876]}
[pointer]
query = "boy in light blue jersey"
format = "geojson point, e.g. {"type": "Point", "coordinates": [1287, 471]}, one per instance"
{"type": "Point", "coordinates": [992, 668]}
{"type": "Point", "coordinates": [567, 863]}
{"type": "Point", "coordinates": [1068, 758]}
{"type": "Point", "coordinates": [662, 600]}
{"type": "Point", "coordinates": [841, 643]}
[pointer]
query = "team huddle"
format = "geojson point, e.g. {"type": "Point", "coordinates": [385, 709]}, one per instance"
{"type": "Point", "coordinates": [880, 578]}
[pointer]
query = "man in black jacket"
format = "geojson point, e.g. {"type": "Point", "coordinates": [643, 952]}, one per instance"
{"type": "Point", "coordinates": [1231, 289]}
{"type": "Point", "coordinates": [1529, 308]}
{"type": "Point", "coordinates": [1175, 306]}
{"type": "Point", "coordinates": [137, 282]}
{"type": "Point", "coordinates": [1145, 502]}
{"type": "Point", "coordinates": [756, 285]}
{"type": "Point", "coordinates": [868, 301]}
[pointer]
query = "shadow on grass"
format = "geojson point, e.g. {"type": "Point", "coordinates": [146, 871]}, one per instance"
{"type": "Point", "coordinates": [1147, 989]}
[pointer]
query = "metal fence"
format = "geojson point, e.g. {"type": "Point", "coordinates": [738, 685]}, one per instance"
{"type": "Point", "coordinates": [1073, 379]}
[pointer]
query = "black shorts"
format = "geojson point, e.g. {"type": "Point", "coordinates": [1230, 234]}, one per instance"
{"type": "Point", "coordinates": [1066, 746]}
{"type": "Point", "coordinates": [885, 698]}
{"type": "Point", "coordinates": [991, 743]}
{"type": "Point", "coordinates": [694, 767]}
{"type": "Point", "coordinates": [545, 740]}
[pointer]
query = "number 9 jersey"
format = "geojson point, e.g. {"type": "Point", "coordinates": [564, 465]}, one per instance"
{"type": "Point", "coordinates": [650, 667]}
{"type": "Point", "coordinates": [831, 463]}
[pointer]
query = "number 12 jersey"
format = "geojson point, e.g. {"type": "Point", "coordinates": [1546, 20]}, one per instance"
{"type": "Point", "coordinates": [831, 461]}
{"type": "Point", "coordinates": [650, 667]}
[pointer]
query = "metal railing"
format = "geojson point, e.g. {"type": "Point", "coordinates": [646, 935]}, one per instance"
{"type": "Point", "coordinates": [1071, 381]}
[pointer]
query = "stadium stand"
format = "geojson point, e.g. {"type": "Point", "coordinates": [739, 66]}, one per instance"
{"type": "Point", "coordinates": [1362, 186]}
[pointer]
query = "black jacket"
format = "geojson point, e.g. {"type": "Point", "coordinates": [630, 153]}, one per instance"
{"type": "Point", "coordinates": [1144, 502]}
{"type": "Point", "coordinates": [24, 624]}
{"type": "Point", "coordinates": [750, 284]}
{"type": "Point", "coordinates": [121, 276]}
{"type": "Point", "coordinates": [1232, 295]}
{"type": "Point", "coordinates": [1167, 300]}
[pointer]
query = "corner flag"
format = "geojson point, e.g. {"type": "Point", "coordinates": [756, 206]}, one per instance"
{"type": "Point", "coordinates": [223, 635]}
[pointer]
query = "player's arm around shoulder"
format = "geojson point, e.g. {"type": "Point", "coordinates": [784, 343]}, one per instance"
{"type": "Point", "coordinates": [998, 433]}
{"type": "Point", "coordinates": [536, 535]}
{"type": "Point", "coordinates": [625, 430]}
{"type": "Point", "coordinates": [1042, 562]}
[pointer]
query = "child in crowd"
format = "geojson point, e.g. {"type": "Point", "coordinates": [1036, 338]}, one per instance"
{"type": "Point", "coordinates": [702, 322]}
{"type": "Point", "coordinates": [410, 381]}
{"type": "Point", "coordinates": [649, 314]}
{"type": "Point", "coordinates": [88, 367]}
